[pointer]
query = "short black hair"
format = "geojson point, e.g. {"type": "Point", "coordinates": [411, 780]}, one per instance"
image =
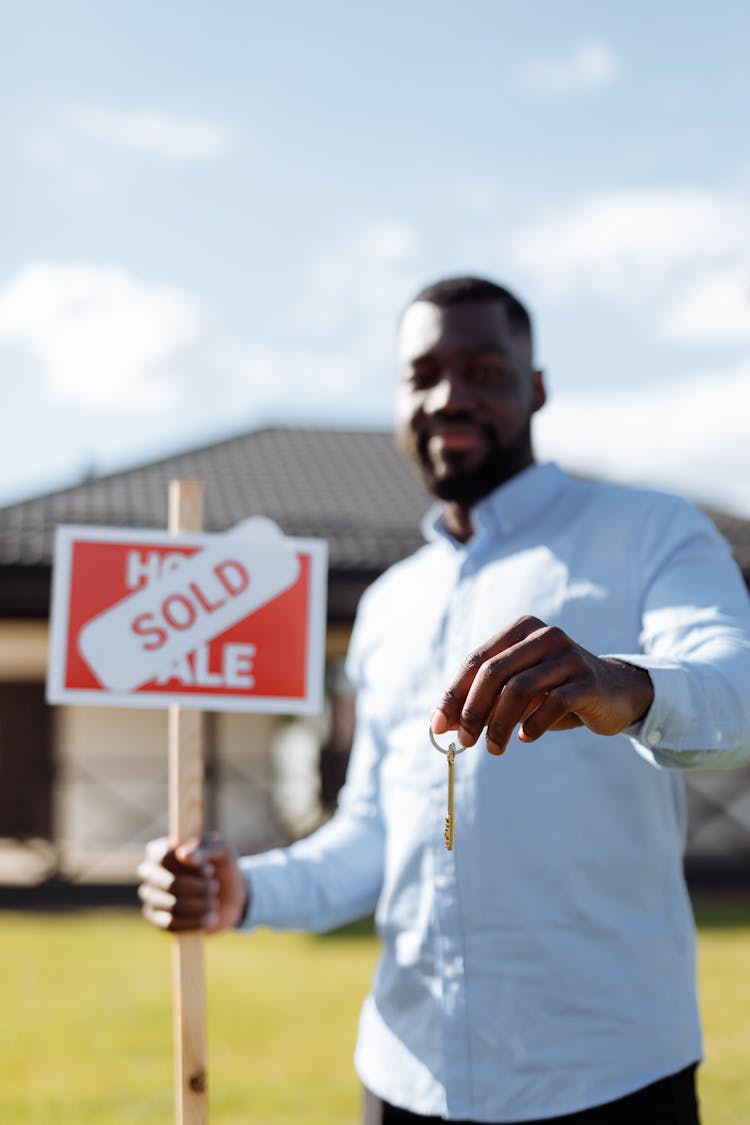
{"type": "Point", "coordinates": [456, 290]}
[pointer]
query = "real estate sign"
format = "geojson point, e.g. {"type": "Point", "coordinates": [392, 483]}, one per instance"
{"type": "Point", "coordinates": [230, 622]}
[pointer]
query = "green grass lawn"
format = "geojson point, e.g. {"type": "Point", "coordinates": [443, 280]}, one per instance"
{"type": "Point", "coordinates": [85, 1022]}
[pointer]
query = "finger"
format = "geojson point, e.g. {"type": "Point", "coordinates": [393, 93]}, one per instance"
{"type": "Point", "coordinates": [191, 852]}
{"type": "Point", "coordinates": [170, 870]}
{"type": "Point", "coordinates": [155, 874]}
{"type": "Point", "coordinates": [186, 887]}
{"type": "Point", "coordinates": [522, 695]}
{"type": "Point", "coordinates": [161, 853]}
{"type": "Point", "coordinates": [507, 683]}
{"type": "Point", "coordinates": [555, 712]}
{"type": "Point", "coordinates": [447, 714]}
{"type": "Point", "coordinates": [160, 918]}
{"type": "Point", "coordinates": [156, 850]}
{"type": "Point", "coordinates": [190, 882]}
{"type": "Point", "coordinates": [185, 905]}
{"type": "Point", "coordinates": [206, 854]}
{"type": "Point", "coordinates": [155, 896]}
{"type": "Point", "coordinates": [497, 748]}
{"type": "Point", "coordinates": [439, 721]}
{"type": "Point", "coordinates": [165, 920]}
{"type": "Point", "coordinates": [170, 912]}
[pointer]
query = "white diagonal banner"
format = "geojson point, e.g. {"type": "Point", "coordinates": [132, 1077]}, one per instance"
{"type": "Point", "coordinates": [133, 641]}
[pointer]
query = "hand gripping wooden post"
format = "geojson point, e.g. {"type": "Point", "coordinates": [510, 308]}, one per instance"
{"type": "Point", "coordinates": [186, 806]}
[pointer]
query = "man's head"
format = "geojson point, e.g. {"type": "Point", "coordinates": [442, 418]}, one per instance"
{"type": "Point", "coordinates": [467, 387]}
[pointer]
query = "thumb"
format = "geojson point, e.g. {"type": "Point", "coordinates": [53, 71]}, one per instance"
{"type": "Point", "coordinates": [190, 852]}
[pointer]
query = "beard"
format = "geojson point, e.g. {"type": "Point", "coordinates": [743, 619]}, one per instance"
{"type": "Point", "coordinates": [466, 485]}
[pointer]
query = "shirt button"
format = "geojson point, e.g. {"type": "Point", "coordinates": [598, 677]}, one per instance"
{"type": "Point", "coordinates": [441, 882]}
{"type": "Point", "coordinates": [454, 969]}
{"type": "Point", "coordinates": [654, 738]}
{"type": "Point", "coordinates": [719, 736]}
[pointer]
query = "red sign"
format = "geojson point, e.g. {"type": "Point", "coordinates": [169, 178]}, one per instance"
{"type": "Point", "coordinates": [216, 622]}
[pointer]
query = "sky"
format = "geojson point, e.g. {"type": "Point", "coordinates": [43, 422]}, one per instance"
{"type": "Point", "coordinates": [215, 213]}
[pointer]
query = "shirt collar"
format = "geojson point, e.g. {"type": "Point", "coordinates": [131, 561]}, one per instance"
{"type": "Point", "coordinates": [517, 502]}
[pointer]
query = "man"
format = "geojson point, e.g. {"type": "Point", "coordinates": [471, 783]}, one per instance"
{"type": "Point", "coordinates": [544, 968]}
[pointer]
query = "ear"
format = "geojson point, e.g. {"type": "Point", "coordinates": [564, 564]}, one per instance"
{"type": "Point", "coordinates": [539, 391]}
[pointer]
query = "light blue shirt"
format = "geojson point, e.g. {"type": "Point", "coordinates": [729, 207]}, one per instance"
{"type": "Point", "coordinates": [547, 963]}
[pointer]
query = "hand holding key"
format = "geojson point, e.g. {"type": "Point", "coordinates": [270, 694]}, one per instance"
{"type": "Point", "coordinates": [535, 675]}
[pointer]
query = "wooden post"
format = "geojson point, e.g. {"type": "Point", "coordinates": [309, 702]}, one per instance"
{"type": "Point", "coordinates": [186, 821]}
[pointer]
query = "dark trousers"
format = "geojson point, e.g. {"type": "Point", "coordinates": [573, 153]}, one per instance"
{"type": "Point", "coordinates": [670, 1101]}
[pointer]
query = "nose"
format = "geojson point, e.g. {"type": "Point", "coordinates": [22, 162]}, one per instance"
{"type": "Point", "coordinates": [449, 394]}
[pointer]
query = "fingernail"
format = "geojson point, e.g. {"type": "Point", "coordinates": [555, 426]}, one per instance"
{"type": "Point", "coordinates": [438, 721]}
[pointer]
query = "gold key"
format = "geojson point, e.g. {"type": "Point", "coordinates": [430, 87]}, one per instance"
{"type": "Point", "coordinates": [450, 824]}
{"type": "Point", "coordinates": [450, 820]}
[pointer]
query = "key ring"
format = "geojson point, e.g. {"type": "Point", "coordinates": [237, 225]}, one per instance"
{"type": "Point", "coordinates": [453, 748]}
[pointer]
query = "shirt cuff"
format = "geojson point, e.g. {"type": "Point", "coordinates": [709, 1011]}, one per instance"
{"type": "Point", "coordinates": [258, 904]}
{"type": "Point", "coordinates": [267, 905]}
{"type": "Point", "coordinates": [677, 730]}
{"type": "Point", "coordinates": [671, 700]}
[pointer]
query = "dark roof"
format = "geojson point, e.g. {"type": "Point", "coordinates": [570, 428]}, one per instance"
{"type": "Point", "coordinates": [737, 531]}
{"type": "Point", "coordinates": [351, 488]}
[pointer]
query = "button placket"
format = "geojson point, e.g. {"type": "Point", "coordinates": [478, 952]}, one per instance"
{"type": "Point", "coordinates": [456, 1037]}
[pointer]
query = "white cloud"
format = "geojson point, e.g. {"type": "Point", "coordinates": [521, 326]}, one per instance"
{"type": "Point", "coordinates": [590, 65]}
{"type": "Point", "coordinates": [623, 240]}
{"type": "Point", "coordinates": [678, 255]}
{"type": "Point", "coordinates": [79, 145]}
{"type": "Point", "coordinates": [715, 309]}
{"type": "Point", "coordinates": [342, 356]}
{"type": "Point", "coordinates": [150, 132]}
{"type": "Point", "coordinates": [686, 435]}
{"type": "Point", "coordinates": [276, 375]}
{"type": "Point", "coordinates": [105, 339]}
{"type": "Point", "coordinates": [360, 282]}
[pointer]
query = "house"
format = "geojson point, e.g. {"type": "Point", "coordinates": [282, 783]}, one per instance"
{"type": "Point", "coordinates": [82, 789]}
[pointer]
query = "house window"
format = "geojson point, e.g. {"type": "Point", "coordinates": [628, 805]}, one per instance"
{"type": "Point", "coordinates": [25, 762]}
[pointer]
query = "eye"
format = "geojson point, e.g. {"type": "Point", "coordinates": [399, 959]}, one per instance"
{"type": "Point", "coordinates": [489, 373]}
{"type": "Point", "coordinates": [423, 376]}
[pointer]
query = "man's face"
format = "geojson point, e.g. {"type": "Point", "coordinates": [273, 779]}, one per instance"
{"type": "Point", "coordinates": [465, 397]}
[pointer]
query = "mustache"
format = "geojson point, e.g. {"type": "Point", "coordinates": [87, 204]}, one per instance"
{"type": "Point", "coordinates": [468, 420]}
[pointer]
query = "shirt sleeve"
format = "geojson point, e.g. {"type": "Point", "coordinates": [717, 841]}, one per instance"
{"type": "Point", "coordinates": [334, 875]}
{"type": "Point", "coordinates": [695, 640]}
